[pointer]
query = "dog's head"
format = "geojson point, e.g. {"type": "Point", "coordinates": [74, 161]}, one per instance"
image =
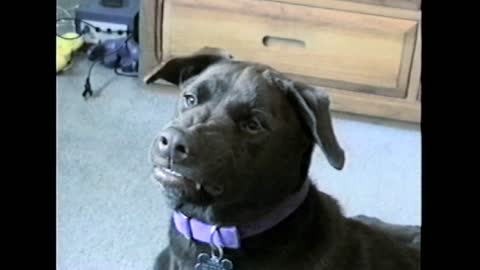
{"type": "Point", "coordinates": [242, 132]}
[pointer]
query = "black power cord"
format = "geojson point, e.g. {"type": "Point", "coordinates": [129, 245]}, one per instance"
{"type": "Point", "coordinates": [87, 92]}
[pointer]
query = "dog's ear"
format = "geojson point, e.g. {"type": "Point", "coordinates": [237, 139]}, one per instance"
{"type": "Point", "coordinates": [313, 105]}
{"type": "Point", "coordinates": [181, 69]}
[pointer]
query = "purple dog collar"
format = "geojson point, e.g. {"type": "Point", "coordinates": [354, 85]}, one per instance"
{"type": "Point", "coordinates": [230, 236]}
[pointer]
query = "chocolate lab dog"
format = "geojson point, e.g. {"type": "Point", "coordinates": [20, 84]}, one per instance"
{"type": "Point", "coordinates": [234, 165]}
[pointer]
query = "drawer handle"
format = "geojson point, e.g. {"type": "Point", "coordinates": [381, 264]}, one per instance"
{"type": "Point", "coordinates": [270, 41]}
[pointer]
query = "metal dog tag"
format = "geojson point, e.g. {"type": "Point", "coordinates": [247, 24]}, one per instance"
{"type": "Point", "coordinates": [207, 262]}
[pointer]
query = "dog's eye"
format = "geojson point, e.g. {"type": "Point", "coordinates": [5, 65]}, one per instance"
{"type": "Point", "coordinates": [190, 100]}
{"type": "Point", "coordinates": [252, 126]}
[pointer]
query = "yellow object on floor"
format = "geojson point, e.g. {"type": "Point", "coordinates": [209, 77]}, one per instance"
{"type": "Point", "coordinates": [66, 48]}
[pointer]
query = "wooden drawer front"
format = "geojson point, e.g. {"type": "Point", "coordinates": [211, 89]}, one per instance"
{"type": "Point", "coordinates": [407, 4]}
{"type": "Point", "coordinates": [333, 48]}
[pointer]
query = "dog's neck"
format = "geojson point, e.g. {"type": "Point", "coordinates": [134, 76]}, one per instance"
{"type": "Point", "coordinates": [233, 233]}
{"type": "Point", "coordinates": [247, 210]}
{"type": "Point", "coordinates": [244, 211]}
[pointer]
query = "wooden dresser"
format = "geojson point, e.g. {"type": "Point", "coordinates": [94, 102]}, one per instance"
{"type": "Point", "coordinates": [365, 53]}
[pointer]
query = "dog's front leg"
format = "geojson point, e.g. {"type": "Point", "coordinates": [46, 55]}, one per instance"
{"type": "Point", "coordinates": [165, 261]}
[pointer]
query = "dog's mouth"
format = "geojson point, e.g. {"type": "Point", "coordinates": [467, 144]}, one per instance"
{"type": "Point", "coordinates": [171, 177]}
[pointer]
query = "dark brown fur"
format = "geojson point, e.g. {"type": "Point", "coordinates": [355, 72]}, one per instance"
{"type": "Point", "coordinates": [251, 173]}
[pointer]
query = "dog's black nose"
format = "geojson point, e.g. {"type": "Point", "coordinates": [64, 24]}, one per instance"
{"type": "Point", "coordinates": [172, 145]}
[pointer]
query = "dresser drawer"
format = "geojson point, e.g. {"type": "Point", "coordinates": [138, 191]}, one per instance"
{"type": "Point", "coordinates": [332, 48]}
